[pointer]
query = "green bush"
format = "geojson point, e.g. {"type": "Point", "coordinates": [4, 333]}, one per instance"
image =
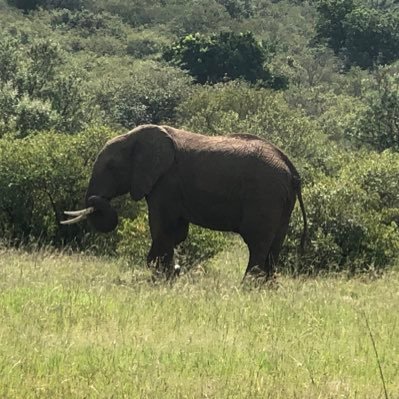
{"type": "Point", "coordinates": [34, 115]}
{"type": "Point", "coordinates": [29, 5]}
{"type": "Point", "coordinates": [87, 23]}
{"type": "Point", "coordinates": [36, 94]}
{"type": "Point", "coordinates": [199, 16]}
{"type": "Point", "coordinates": [353, 218]}
{"type": "Point", "coordinates": [9, 57]}
{"type": "Point", "coordinates": [8, 104]}
{"type": "Point", "coordinates": [363, 35]}
{"type": "Point", "coordinates": [238, 8]}
{"type": "Point", "coordinates": [145, 43]}
{"type": "Point", "coordinates": [336, 114]}
{"type": "Point", "coordinates": [223, 56]}
{"type": "Point", "coordinates": [134, 238]}
{"type": "Point", "coordinates": [136, 13]}
{"type": "Point", "coordinates": [377, 124]}
{"type": "Point", "coordinates": [150, 94]}
{"type": "Point", "coordinates": [41, 176]}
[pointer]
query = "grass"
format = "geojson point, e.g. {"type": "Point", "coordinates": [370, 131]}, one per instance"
{"type": "Point", "coordinates": [73, 326]}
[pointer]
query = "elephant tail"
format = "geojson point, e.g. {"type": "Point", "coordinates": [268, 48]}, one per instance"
{"type": "Point", "coordinates": [305, 221]}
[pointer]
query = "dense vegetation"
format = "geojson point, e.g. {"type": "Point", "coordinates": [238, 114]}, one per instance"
{"type": "Point", "coordinates": [318, 78]}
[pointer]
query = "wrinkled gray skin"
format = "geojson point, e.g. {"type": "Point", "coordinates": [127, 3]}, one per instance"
{"type": "Point", "coordinates": [234, 183]}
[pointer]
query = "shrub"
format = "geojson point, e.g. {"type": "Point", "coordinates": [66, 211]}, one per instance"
{"type": "Point", "coordinates": [35, 94]}
{"type": "Point", "coordinates": [9, 58]}
{"type": "Point", "coordinates": [336, 114]}
{"type": "Point", "coordinates": [8, 104]}
{"type": "Point", "coordinates": [353, 218]}
{"type": "Point", "coordinates": [150, 95]}
{"type": "Point", "coordinates": [41, 176]}
{"type": "Point", "coordinates": [377, 124]}
{"type": "Point", "coordinates": [365, 36]}
{"type": "Point", "coordinates": [145, 43]}
{"type": "Point", "coordinates": [87, 23]}
{"type": "Point", "coordinates": [198, 16]}
{"type": "Point", "coordinates": [33, 115]}
{"type": "Point", "coordinates": [136, 13]}
{"type": "Point", "coordinates": [225, 56]}
{"type": "Point", "coordinates": [134, 238]}
{"type": "Point", "coordinates": [330, 24]}
{"type": "Point", "coordinates": [238, 9]}
{"type": "Point", "coordinates": [372, 37]}
{"type": "Point", "coordinates": [28, 5]}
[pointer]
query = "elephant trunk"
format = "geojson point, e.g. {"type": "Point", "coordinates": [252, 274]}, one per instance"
{"type": "Point", "coordinates": [100, 213]}
{"type": "Point", "coordinates": [104, 218]}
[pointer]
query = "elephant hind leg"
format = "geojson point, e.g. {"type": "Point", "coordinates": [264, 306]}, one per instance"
{"type": "Point", "coordinates": [278, 240]}
{"type": "Point", "coordinates": [275, 249]}
{"type": "Point", "coordinates": [258, 253]}
{"type": "Point", "coordinates": [259, 231]}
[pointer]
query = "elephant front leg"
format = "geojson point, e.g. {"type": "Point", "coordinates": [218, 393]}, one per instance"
{"type": "Point", "coordinates": [160, 259]}
{"type": "Point", "coordinates": [167, 230]}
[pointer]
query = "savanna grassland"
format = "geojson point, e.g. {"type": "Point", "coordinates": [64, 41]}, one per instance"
{"type": "Point", "coordinates": [74, 326]}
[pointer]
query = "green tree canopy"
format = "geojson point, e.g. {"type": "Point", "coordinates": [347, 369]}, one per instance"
{"type": "Point", "coordinates": [330, 25]}
{"type": "Point", "coordinates": [378, 124]}
{"type": "Point", "coordinates": [28, 5]}
{"type": "Point", "coordinates": [372, 36]}
{"type": "Point", "coordinates": [364, 36]}
{"type": "Point", "coordinates": [221, 57]}
{"type": "Point", "coordinates": [34, 93]}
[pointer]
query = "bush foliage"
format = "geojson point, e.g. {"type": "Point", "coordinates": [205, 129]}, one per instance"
{"type": "Point", "coordinates": [354, 218]}
{"type": "Point", "coordinates": [42, 175]}
{"type": "Point", "coordinates": [222, 57]}
{"type": "Point", "coordinates": [365, 36]}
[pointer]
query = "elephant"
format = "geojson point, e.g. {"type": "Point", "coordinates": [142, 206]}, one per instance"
{"type": "Point", "coordinates": [238, 183]}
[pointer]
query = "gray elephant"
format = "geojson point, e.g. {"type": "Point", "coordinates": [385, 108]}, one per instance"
{"type": "Point", "coordinates": [237, 183]}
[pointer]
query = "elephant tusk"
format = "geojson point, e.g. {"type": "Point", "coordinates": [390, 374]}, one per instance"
{"type": "Point", "coordinates": [84, 212]}
{"type": "Point", "coordinates": [79, 215]}
{"type": "Point", "coordinates": [74, 220]}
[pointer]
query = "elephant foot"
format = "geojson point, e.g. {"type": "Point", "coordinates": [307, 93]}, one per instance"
{"type": "Point", "coordinates": [163, 272]}
{"type": "Point", "coordinates": [258, 277]}
{"type": "Point", "coordinates": [176, 270]}
{"type": "Point", "coordinates": [173, 272]}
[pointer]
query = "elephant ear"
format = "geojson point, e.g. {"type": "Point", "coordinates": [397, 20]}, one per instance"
{"type": "Point", "coordinates": [153, 155]}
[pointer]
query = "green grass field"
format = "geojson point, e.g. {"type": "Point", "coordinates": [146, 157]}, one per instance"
{"type": "Point", "coordinates": [73, 326]}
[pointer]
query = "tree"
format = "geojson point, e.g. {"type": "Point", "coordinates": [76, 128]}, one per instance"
{"type": "Point", "coordinates": [29, 5]}
{"type": "Point", "coordinates": [9, 55]}
{"type": "Point", "coordinates": [364, 36]}
{"type": "Point", "coordinates": [372, 37]}
{"type": "Point", "coordinates": [330, 25]}
{"type": "Point", "coordinates": [150, 95]}
{"type": "Point", "coordinates": [238, 9]}
{"type": "Point", "coordinates": [378, 124]}
{"type": "Point", "coordinates": [221, 57]}
{"type": "Point", "coordinates": [34, 94]}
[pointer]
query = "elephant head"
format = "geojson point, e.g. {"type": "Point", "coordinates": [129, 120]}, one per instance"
{"type": "Point", "coordinates": [133, 163]}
